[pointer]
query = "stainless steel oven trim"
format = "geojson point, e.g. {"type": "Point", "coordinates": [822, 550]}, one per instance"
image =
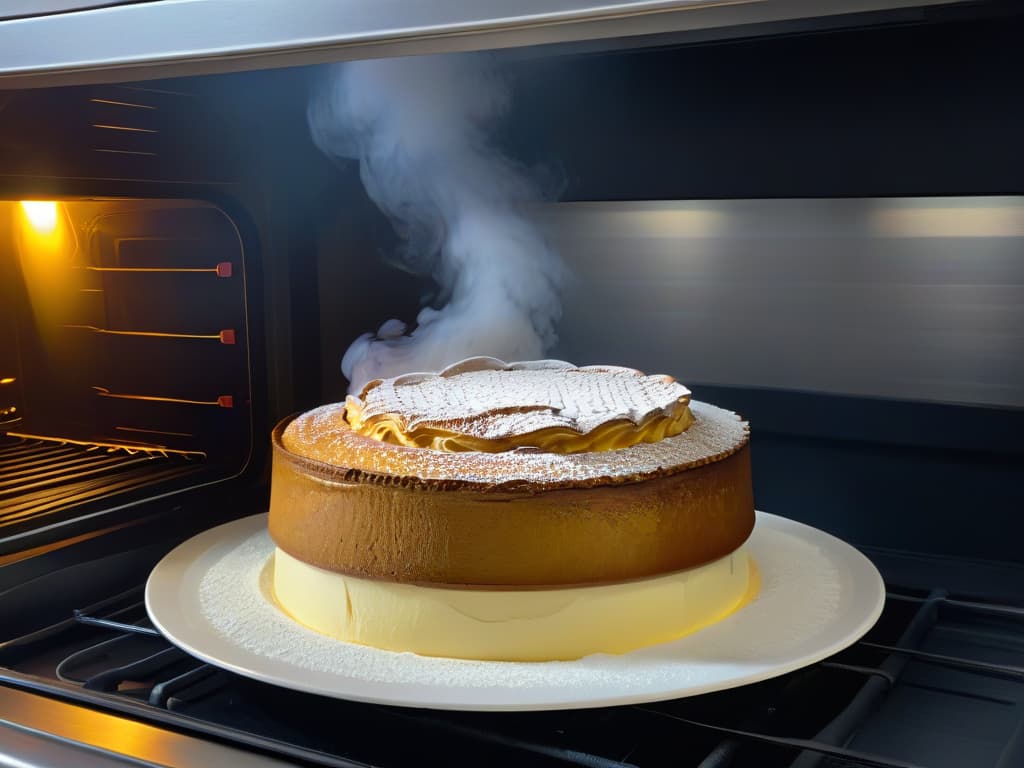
{"type": "Point", "coordinates": [170, 38]}
{"type": "Point", "coordinates": [37, 731]}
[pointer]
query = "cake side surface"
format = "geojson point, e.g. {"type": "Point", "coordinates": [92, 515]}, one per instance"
{"type": "Point", "coordinates": [593, 533]}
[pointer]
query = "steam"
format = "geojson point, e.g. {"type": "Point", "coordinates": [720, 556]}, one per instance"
{"type": "Point", "coordinates": [419, 129]}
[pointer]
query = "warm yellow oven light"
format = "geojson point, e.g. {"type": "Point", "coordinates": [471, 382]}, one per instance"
{"type": "Point", "coordinates": [7, 380]}
{"type": "Point", "coordinates": [41, 215]}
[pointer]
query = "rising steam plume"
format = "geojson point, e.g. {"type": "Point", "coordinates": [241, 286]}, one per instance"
{"type": "Point", "coordinates": [420, 128]}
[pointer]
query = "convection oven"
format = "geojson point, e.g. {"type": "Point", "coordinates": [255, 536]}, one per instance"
{"type": "Point", "coordinates": [812, 214]}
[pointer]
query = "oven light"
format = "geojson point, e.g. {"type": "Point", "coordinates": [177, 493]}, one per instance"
{"type": "Point", "coordinates": [7, 380]}
{"type": "Point", "coordinates": [41, 215]}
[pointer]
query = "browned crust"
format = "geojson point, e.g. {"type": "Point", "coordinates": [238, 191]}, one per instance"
{"type": "Point", "coordinates": [401, 530]}
{"type": "Point", "coordinates": [341, 473]}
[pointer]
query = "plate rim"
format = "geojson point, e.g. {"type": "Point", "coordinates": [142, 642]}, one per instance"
{"type": "Point", "coordinates": [166, 578]}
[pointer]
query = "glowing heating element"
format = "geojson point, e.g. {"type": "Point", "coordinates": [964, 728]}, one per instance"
{"type": "Point", "coordinates": [41, 215]}
{"type": "Point", "coordinates": [513, 625]}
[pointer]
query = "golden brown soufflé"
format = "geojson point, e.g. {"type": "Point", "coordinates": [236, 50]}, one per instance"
{"type": "Point", "coordinates": [510, 478]}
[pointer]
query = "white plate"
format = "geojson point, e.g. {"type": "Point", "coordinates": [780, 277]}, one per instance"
{"type": "Point", "coordinates": [818, 595]}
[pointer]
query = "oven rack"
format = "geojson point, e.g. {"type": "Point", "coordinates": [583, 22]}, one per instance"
{"type": "Point", "coordinates": [43, 478]}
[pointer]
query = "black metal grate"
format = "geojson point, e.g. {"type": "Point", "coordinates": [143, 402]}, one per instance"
{"type": "Point", "coordinates": [937, 683]}
{"type": "Point", "coordinates": [40, 477]}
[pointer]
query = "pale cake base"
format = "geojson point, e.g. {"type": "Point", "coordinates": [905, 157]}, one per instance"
{"type": "Point", "coordinates": [513, 625]}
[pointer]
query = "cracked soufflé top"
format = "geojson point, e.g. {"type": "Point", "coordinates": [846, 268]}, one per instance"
{"type": "Point", "coordinates": [483, 424]}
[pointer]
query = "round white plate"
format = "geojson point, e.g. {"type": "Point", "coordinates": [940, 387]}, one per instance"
{"type": "Point", "coordinates": [211, 597]}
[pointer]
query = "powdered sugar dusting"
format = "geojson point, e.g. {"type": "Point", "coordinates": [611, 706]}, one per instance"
{"type": "Point", "coordinates": [488, 399]}
{"type": "Point", "coordinates": [324, 435]}
{"type": "Point", "coordinates": [804, 593]}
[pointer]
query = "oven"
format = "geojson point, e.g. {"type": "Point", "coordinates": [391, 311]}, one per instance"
{"type": "Point", "coordinates": [811, 214]}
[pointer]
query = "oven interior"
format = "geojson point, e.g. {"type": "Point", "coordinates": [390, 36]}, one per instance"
{"type": "Point", "coordinates": [125, 356]}
{"type": "Point", "coordinates": [823, 231]}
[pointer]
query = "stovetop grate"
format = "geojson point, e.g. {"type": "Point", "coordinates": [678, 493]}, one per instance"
{"type": "Point", "coordinates": [937, 683]}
